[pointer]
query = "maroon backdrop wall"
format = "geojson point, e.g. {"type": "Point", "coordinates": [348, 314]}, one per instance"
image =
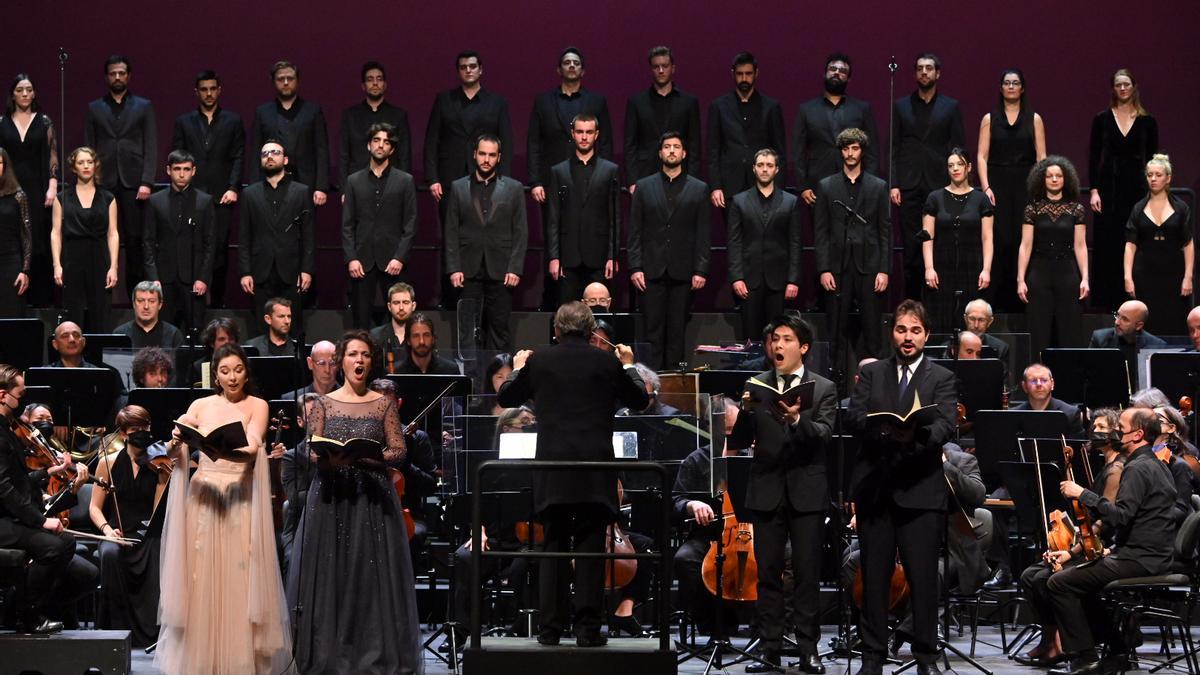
{"type": "Point", "coordinates": [1067, 56]}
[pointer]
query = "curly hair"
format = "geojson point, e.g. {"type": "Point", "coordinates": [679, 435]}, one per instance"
{"type": "Point", "coordinates": [1036, 182]}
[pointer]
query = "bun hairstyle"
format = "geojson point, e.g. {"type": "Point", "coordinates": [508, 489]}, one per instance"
{"type": "Point", "coordinates": [1160, 160]}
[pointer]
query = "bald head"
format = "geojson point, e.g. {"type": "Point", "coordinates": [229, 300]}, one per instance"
{"type": "Point", "coordinates": [69, 342]}
{"type": "Point", "coordinates": [596, 296]}
{"type": "Point", "coordinates": [323, 366]}
{"type": "Point", "coordinates": [1193, 324]}
{"type": "Point", "coordinates": [969, 345]}
{"type": "Point", "coordinates": [977, 316]}
{"type": "Point", "coordinates": [1131, 318]}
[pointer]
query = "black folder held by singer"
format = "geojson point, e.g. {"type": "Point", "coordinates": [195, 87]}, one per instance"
{"type": "Point", "coordinates": [883, 423]}
{"type": "Point", "coordinates": [350, 451]}
{"type": "Point", "coordinates": [218, 443]}
{"type": "Point", "coordinates": [761, 392]}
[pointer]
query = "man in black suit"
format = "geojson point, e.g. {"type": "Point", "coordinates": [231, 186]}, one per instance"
{"type": "Point", "coordinates": [668, 249]}
{"type": "Point", "coordinates": [652, 112]}
{"type": "Point", "coordinates": [926, 126]}
{"type": "Point", "coordinates": [898, 486]}
{"type": "Point", "coordinates": [575, 423]}
{"type": "Point", "coordinates": [300, 126]}
{"type": "Point", "coordinates": [764, 246]}
{"type": "Point", "coordinates": [978, 317]}
{"type": "Point", "coordinates": [485, 236]}
{"type": "Point", "coordinates": [787, 489]}
{"type": "Point", "coordinates": [740, 124]}
{"type": "Point", "coordinates": [121, 128]}
{"type": "Point", "coordinates": [276, 242]}
{"type": "Point", "coordinates": [379, 221]}
{"type": "Point", "coordinates": [458, 118]}
{"type": "Point", "coordinates": [820, 120]}
{"type": "Point", "coordinates": [583, 217]}
{"type": "Point", "coordinates": [1129, 335]}
{"type": "Point", "coordinates": [215, 138]}
{"type": "Point", "coordinates": [180, 243]}
{"type": "Point", "coordinates": [1038, 383]}
{"type": "Point", "coordinates": [854, 249]}
{"type": "Point", "coordinates": [358, 119]}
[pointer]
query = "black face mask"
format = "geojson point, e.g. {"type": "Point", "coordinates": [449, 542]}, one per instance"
{"type": "Point", "coordinates": [46, 429]}
{"type": "Point", "coordinates": [141, 439]}
{"type": "Point", "coordinates": [1100, 439]}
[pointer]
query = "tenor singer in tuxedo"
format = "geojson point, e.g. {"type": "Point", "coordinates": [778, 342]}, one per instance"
{"type": "Point", "coordinates": [179, 243]}
{"type": "Point", "coordinates": [898, 486]}
{"type": "Point", "coordinates": [787, 491]}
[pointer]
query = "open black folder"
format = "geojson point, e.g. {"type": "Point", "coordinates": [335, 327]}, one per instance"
{"type": "Point", "coordinates": [348, 451]}
{"type": "Point", "coordinates": [884, 422]}
{"type": "Point", "coordinates": [217, 443]}
{"type": "Point", "coordinates": [762, 392]}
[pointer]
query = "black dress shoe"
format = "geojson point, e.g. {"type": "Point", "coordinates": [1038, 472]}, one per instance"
{"type": "Point", "coordinates": [1039, 661]}
{"type": "Point", "coordinates": [1001, 579]}
{"type": "Point", "coordinates": [928, 669]}
{"type": "Point", "coordinates": [45, 627]}
{"type": "Point", "coordinates": [1079, 666]}
{"type": "Point", "coordinates": [625, 624]}
{"type": "Point", "coordinates": [590, 639]}
{"type": "Point", "coordinates": [770, 662]}
{"type": "Point", "coordinates": [549, 637]}
{"type": "Point", "coordinates": [811, 663]}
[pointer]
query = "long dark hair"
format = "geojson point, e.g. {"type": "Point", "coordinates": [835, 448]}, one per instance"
{"type": "Point", "coordinates": [1004, 75]}
{"type": "Point", "coordinates": [8, 181]}
{"type": "Point", "coordinates": [231, 349]}
{"type": "Point", "coordinates": [12, 104]}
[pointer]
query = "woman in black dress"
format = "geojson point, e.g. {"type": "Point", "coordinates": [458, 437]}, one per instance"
{"type": "Point", "coordinates": [1124, 137]}
{"type": "Point", "coordinates": [1011, 139]}
{"type": "Point", "coordinates": [28, 136]}
{"type": "Point", "coordinates": [1158, 252]}
{"type": "Point", "coordinates": [14, 241]}
{"type": "Point", "coordinates": [1052, 268]}
{"type": "Point", "coordinates": [958, 252]}
{"type": "Point", "coordinates": [84, 244]}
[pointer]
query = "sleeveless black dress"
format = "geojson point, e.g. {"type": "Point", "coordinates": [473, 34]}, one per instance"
{"type": "Point", "coordinates": [1012, 152]}
{"type": "Point", "coordinates": [129, 575]}
{"type": "Point", "coordinates": [1158, 265]}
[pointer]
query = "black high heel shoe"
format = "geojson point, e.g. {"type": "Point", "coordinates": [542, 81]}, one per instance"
{"type": "Point", "coordinates": [625, 624]}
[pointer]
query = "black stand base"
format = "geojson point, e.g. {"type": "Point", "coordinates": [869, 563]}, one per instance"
{"type": "Point", "coordinates": [525, 655]}
{"type": "Point", "coordinates": [944, 647]}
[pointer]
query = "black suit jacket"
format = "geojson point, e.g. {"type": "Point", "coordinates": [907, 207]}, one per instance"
{"type": "Point", "coordinates": [908, 475]}
{"type": "Point", "coordinates": [219, 149]}
{"type": "Point", "coordinates": [17, 495]}
{"type": "Point", "coordinates": [453, 126]}
{"type": "Point", "coordinates": [305, 138]}
{"type": "Point", "coordinates": [764, 247]}
{"type": "Point", "coordinates": [674, 243]}
{"type": "Point", "coordinates": [128, 146]}
{"type": "Point", "coordinates": [871, 244]}
{"type": "Point", "coordinates": [814, 138]}
{"type": "Point", "coordinates": [999, 345]}
{"type": "Point", "coordinates": [789, 461]}
{"type": "Point", "coordinates": [549, 140]}
{"type": "Point", "coordinates": [920, 158]}
{"type": "Point", "coordinates": [1106, 338]}
{"type": "Point", "coordinates": [574, 388]}
{"type": "Point", "coordinates": [731, 144]}
{"type": "Point", "coordinates": [268, 240]}
{"type": "Point", "coordinates": [496, 247]}
{"type": "Point", "coordinates": [175, 251]}
{"type": "Point", "coordinates": [356, 122]}
{"type": "Point", "coordinates": [642, 132]}
{"type": "Point", "coordinates": [377, 229]}
{"type": "Point", "coordinates": [583, 229]}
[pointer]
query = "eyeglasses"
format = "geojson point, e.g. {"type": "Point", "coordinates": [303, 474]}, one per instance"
{"type": "Point", "coordinates": [324, 363]}
{"type": "Point", "coordinates": [273, 152]}
{"type": "Point", "coordinates": [592, 302]}
{"type": "Point", "coordinates": [838, 69]}
{"type": "Point", "coordinates": [1011, 83]}
{"type": "Point", "coordinates": [1038, 380]}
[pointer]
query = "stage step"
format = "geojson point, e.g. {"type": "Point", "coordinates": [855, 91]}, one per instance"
{"type": "Point", "coordinates": [526, 656]}
{"type": "Point", "coordinates": [70, 652]}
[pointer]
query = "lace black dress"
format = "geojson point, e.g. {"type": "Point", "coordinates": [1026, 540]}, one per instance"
{"type": "Point", "coordinates": [15, 251]}
{"type": "Point", "coordinates": [350, 581]}
{"type": "Point", "coordinates": [35, 161]}
{"type": "Point", "coordinates": [1054, 313]}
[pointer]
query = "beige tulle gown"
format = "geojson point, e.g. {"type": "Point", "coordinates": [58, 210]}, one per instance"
{"type": "Point", "coordinates": [221, 607]}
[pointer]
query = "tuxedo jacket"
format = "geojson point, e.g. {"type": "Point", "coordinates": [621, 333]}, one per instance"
{"type": "Point", "coordinates": [789, 460]}
{"type": "Point", "coordinates": [128, 146]}
{"type": "Point", "coordinates": [920, 158]}
{"type": "Point", "coordinates": [642, 132]}
{"type": "Point", "coordinates": [219, 149]}
{"type": "Point", "coordinates": [908, 475]}
{"type": "Point", "coordinates": [669, 242]}
{"type": "Point", "coordinates": [731, 144]}
{"type": "Point", "coordinates": [305, 138]}
{"type": "Point", "coordinates": [870, 245]}
{"type": "Point", "coordinates": [575, 388]}
{"type": "Point", "coordinates": [549, 140]}
{"type": "Point", "coordinates": [268, 239]}
{"type": "Point", "coordinates": [179, 251]}
{"type": "Point", "coordinates": [497, 246]}
{"type": "Point", "coordinates": [582, 229]}
{"type": "Point", "coordinates": [764, 247]}
{"type": "Point", "coordinates": [453, 126]}
{"type": "Point", "coordinates": [376, 229]}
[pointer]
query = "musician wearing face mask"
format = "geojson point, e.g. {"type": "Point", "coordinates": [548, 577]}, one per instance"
{"type": "Point", "coordinates": [1171, 448]}
{"type": "Point", "coordinates": [129, 587]}
{"type": "Point", "coordinates": [1104, 440]}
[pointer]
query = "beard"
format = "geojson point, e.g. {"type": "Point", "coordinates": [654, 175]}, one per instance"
{"type": "Point", "coordinates": [271, 173]}
{"type": "Point", "coordinates": [744, 87]}
{"type": "Point", "coordinates": [927, 86]}
{"type": "Point", "coordinates": [836, 86]}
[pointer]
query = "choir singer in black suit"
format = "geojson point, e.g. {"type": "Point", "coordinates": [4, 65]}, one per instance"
{"type": "Point", "coordinates": [179, 243]}
{"type": "Point", "coordinates": [583, 217]}
{"type": "Point", "coordinates": [300, 125]}
{"type": "Point", "coordinates": [276, 243]}
{"type": "Point", "coordinates": [216, 139]}
{"type": "Point", "coordinates": [379, 221]}
{"type": "Point", "coordinates": [358, 119]}
{"type": "Point", "coordinates": [485, 236]}
{"type": "Point", "coordinates": [575, 423]}
{"type": "Point", "coordinates": [741, 123]}
{"type": "Point", "coordinates": [853, 232]}
{"type": "Point", "coordinates": [764, 246]}
{"type": "Point", "coordinates": [668, 249]}
{"type": "Point", "coordinates": [652, 112]}
{"type": "Point", "coordinates": [787, 491]}
{"type": "Point", "coordinates": [898, 487]}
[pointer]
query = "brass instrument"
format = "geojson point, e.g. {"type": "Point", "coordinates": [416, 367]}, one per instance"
{"type": "Point", "coordinates": [98, 443]}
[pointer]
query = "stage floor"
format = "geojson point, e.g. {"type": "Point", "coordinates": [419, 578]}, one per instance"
{"type": "Point", "coordinates": [987, 651]}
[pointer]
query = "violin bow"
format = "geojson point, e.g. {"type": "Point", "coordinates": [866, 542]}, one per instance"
{"type": "Point", "coordinates": [1037, 464]}
{"type": "Point", "coordinates": [436, 399]}
{"type": "Point", "coordinates": [112, 482]}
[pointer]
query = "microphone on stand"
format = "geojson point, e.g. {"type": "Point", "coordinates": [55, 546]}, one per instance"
{"type": "Point", "coordinates": [296, 220]}
{"type": "Point", "coordinates": [850, 211]}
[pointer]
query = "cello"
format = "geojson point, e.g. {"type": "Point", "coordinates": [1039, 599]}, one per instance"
{"type": "Point", "coordinates": [739, 571]}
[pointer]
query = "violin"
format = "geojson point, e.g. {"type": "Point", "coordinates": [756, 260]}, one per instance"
{"type": "Point", "coordinates": [739, 572]}
{"type": "Point", "coordinates": [1185, 407]}
{"type": "Point", "coordinates": [280, 423]}
{"type": "Point", "coordinates": [40, 455]}
{"type": "Point", "coordinates": [1093, 548]}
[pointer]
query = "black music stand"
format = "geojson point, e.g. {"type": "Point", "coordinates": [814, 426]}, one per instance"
{"type": "Point", "coordinates": [1177, 374]}
{"type": "Point", "coordinates": [82, 397]}
{"type": "Point", "coordinates": [274, 376]}
{"type": "Point", "coordinates": [23, 342]}
{"type": "Point", "coordinates": [1096, 378]}
{"type": "Point", "coordinates": [41, 395]}
{"type": "Point", "coordinates": [997, 433]}
{"type": "Point", "coordinates": [165, 406]}
{"type": "Point", "coordinates": [1021, 479]}
{"type": "Point", "coordinates": [629, 326]}
{"type": "Point", "coordinates": [660, 437]}
{"type": "Point", "coordinates": [418, 391]}
{"type": "Point", "coordinates": [728, 382]}
{"type": "Point", "coordinates": [93, 351]}
{"type": "Point", "coordinates": [980, 383]}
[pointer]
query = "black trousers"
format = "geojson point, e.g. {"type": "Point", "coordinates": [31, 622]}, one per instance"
{"type": "Point", "coordinates": [182, 307]}
{"type": "Point", "coordinates": [1053, 314]}
{"type": "Point", "coordinates": [917, 534]}
{"type": "Point", "coordinates": [129, 225]}
{"type": "Point", "coordinates": [574, 280]}
{"type": "Point", "coordinates": [584, 524]}
{"type": "Point", "coordinates": [1073, 594]}
{"type": "Point", "coordinates": [494, 311]}
{"type": "Point", "coordinates": [84, 298]}
{"type": "Point", "coordinates": [772, 530]}
{"type": "Point", "coordinates": [912, 211]}
{"type": "Point", "coordinates": [512, 570]}
{"type": "Point", "coordinates": [761, 306]}
{"type": "Point", "coordinates": [52, 555]}
{"type": "Point", "coordinates": [1033, 583]}
{"type": "Point", "coordinates": [857, 287]}
{"type": "Point", "coordinates": [362, 295]}
{"type": "Point", "coordinates": [665, 305]}
{"type": "Point", "coordinates": [223, 217]}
